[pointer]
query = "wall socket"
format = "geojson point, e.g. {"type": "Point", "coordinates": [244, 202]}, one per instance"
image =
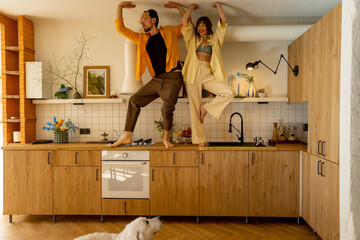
{"type": "Point", "coordinates": [84, 130]}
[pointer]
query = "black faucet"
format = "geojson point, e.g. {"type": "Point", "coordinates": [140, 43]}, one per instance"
{"type": "Point", "coordinates": [241, 137]}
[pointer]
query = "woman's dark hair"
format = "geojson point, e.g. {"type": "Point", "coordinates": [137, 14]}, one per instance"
{"type": "Point", "coordinates": [207, 23]}
{"type": "Point", "coordinates": [153, 14]}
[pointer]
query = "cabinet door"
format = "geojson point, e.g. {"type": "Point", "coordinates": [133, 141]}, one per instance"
{"type": "Point", "coordinates": [125, 207]}
{"type": "Point", "coordinates": [330, 86]}
{"type": "Point", "coordinates": [324, 98]}
{"type": "Point", "coordinates": [174, 191]}
{"type": "Point", "coordinates": [28, 182]}
{"type": "Point", "coordinates": [174, 158]}
{"type": "Point", "coordinates": [77, 158]}
{"type": "Point", "coordinates": [224, 183]}
{"type": "Point", "coordinates": [295, 90]}
{"type": "Point", "coordinates": [310, 189]}
{"type": "Point", "coordinates": [274, 183]}
{"type": "Point", "coordinates": [77, 190]}
{"type": "Point", "coordinates": [316, 97]}
{"type": "Point", "coordinates": [329, 226]}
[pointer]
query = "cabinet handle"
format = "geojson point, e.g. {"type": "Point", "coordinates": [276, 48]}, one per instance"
{"type": "Point", "coordinates": [318, 170]}
{"type": "Point", "coordinates": [97, 174]}
{"type": "Point", "coordinates": [152, 174]}
{"type": "Point", "coordinates": [322, 169]}
{"type": "Point", "coordinates": [323, 148]}
{"type": "Point", "coordinates": [125, 207]}
{"type": "Point", "coordinates": [76, 153]}
{"type": "Point", "coordinates": [319, 153]}
{"type": "Point", "coordinates": [174, 158]}
{"type": "Point", "coordinates": [48, 157]}
{"type": "Point", "coordinates": [252, 158]}
{"type": "Point", "coordinates": [202, 158]}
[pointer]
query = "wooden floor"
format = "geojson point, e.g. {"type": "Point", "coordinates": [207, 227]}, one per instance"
{"type": "Point", "coordinates": [70, 227]}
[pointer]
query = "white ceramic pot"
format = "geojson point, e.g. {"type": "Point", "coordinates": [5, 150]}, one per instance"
{"type": "Point", "coordinates": [251, 93]}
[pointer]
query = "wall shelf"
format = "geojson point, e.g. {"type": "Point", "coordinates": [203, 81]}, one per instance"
{"type": "Point", "coordinates": [79, 101]}
{"type": "Point", "coordinates": [12, 96]}
{"type": "Point", "coordinates": [12, 48]}
{"type": "Point", "coordinates": [181, 100]}
{"type": "Point", "coordinates": [243, 100]}
{"type": "Point", "coordinates": [16, 73]}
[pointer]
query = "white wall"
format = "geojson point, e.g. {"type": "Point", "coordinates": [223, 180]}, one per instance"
{"type": "Point", "coordinates": [107, 49]}
{"type": "Point", "coordinates": [350, 122]}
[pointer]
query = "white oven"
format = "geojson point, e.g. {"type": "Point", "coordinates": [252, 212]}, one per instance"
{"type": "Point", "coordinates": [125, 174]}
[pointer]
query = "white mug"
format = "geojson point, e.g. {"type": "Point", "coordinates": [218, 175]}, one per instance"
{"type": "Point", "coordinates": [16, 136]}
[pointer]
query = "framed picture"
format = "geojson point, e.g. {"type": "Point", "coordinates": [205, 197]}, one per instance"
{"type": "Point", "coordinates": [96, 81]}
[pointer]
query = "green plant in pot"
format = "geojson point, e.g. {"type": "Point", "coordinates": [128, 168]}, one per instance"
{"type": "Point", "coordinates": [251, 92]}
{"type": "Point", "coordinates": [160, 127]}
{"type": "Point", "coordinates": [62, 93]}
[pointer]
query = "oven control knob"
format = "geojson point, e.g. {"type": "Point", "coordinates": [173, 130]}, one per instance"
{"type": "Point", "coordinates": [125, 155]}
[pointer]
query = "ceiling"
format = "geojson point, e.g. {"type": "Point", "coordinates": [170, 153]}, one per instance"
{"type": "Point", "coordinates": [239, 12]}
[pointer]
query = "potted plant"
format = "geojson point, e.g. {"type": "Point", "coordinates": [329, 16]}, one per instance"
{"type": "Point", "coordinates": [251, 92]}
{"type": "Point", "coordinates": [261, 93]}
{"type": "Point", "coordinates": [62, 93]}
{"type": "Point", "coordinates": [61, 129]}
{"type": "Point", "coordinates": [160, 127]}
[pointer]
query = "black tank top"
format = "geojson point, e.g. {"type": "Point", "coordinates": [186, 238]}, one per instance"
{"type": "Point", "coordinates": [157, 50]}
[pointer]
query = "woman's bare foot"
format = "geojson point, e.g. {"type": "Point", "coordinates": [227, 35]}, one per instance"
{"type": "Point", "coordinates": [126, 138]}
{"type": "Point", "coordinates": [202, 144]}
{"type": "Point", "coordinates": [203, 112]}
{"type": "Point", "coordinates": [166, 140]}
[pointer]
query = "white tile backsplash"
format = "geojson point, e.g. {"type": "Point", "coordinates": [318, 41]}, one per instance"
{"type": "Point", "coordinates": [258, 120]}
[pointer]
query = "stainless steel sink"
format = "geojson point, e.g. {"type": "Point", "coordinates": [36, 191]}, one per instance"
{"type": "Point", "coordinates": [232, 144]}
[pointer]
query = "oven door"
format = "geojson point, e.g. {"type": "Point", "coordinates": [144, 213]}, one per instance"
{"type": "Point", "coordinates": [125, 179]}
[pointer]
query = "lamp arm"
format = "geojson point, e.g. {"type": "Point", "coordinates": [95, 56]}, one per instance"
{"type": "Point", "coordinates": [268, 67]}
{"type": "Point", "coordinates": [282, 56]}
{"type": "Point", "coordinates": [295, 70]}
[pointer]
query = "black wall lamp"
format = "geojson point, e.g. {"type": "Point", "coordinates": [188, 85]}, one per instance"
{"type": "Point", "coordinates": [255, 65]}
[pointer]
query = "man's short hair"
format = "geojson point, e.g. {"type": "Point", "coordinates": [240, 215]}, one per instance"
{"type": "Point", "coordinates": [153, 14]}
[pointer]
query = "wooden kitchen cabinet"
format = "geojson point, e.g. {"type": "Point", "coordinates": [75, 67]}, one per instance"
{"type": "Point", "coordinates": [28, 182]}
{"type": "Point", "coordinates": [77, 182]}
{"type": "Point", "coordinates": [298, 55]}
{"type": "Point", "coordinates": [174, 158]}
{"type": "Point", "coordinates": [174, 188]}
{"type": "Point", "coordinates": [224, 183]}
{"type": "Point", "coordinates": [274, 183]}
{"type": "Point", "coordinates": [317, 53]}
{"type": "Point", "coordinates": [125, 207]}
{"type": "Point", "coordinates": [77, 158]}
{"type": "Point", "coordinates": [320, 200]}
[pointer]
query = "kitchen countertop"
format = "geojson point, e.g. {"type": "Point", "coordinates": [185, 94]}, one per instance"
{"type": "Point", "coordinates": [156, 147]}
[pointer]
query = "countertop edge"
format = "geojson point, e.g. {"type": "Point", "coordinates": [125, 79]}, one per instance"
{"type": "Point", "coordinates": [155, 147]}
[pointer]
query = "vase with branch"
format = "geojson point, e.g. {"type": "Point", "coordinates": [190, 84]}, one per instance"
{"type": "Point", "coordinates": [68, 68]}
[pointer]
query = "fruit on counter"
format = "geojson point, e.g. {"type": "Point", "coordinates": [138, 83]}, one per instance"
{"type": "Point", "coordinates": [187, 132]}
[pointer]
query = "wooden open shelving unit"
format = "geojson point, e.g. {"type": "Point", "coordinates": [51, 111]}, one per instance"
{"type": "Point", "coordinates": [17, 47]}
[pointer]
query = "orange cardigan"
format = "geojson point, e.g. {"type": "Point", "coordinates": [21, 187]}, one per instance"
{"type": "Point", "coordinates": [170, 35]}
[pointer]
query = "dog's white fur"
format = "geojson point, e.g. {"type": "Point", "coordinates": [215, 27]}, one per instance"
{"type": "Point", "coordinates": [139, 229]}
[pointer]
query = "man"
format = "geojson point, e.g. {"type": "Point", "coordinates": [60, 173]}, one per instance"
{"type": "Point", "coordinates": [157, 49]}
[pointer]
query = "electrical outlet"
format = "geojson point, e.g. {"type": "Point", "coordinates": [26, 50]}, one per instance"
{"type": "Point", "coordinates": [84, 130]}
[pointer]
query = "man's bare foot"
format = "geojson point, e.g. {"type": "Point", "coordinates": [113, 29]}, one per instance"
{"type": "Point", "coordinates": [126, 138]}
{"type": "Point", "coordinates": [203, 112]}
{"type": "Point", "coordinates": [167, 143]}
{"type": "Point", "coordinates": [202, 144]}
{"type": "Point", "coordinates": [166, 140]}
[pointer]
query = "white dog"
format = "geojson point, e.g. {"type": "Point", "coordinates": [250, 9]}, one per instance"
{"type": "Point", "coordinates": [139, 229]}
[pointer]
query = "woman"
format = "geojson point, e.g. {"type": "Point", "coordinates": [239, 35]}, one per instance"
{"type": "Point", "coordinates": [204, 69]}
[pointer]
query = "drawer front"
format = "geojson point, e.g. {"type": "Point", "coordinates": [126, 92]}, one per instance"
{"type": "Point", "coordinates": [174, 158]}
{"type": "Point", "coordinates": [125, 207]}
{"type": "Point", "coordinates": [77, 158]}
